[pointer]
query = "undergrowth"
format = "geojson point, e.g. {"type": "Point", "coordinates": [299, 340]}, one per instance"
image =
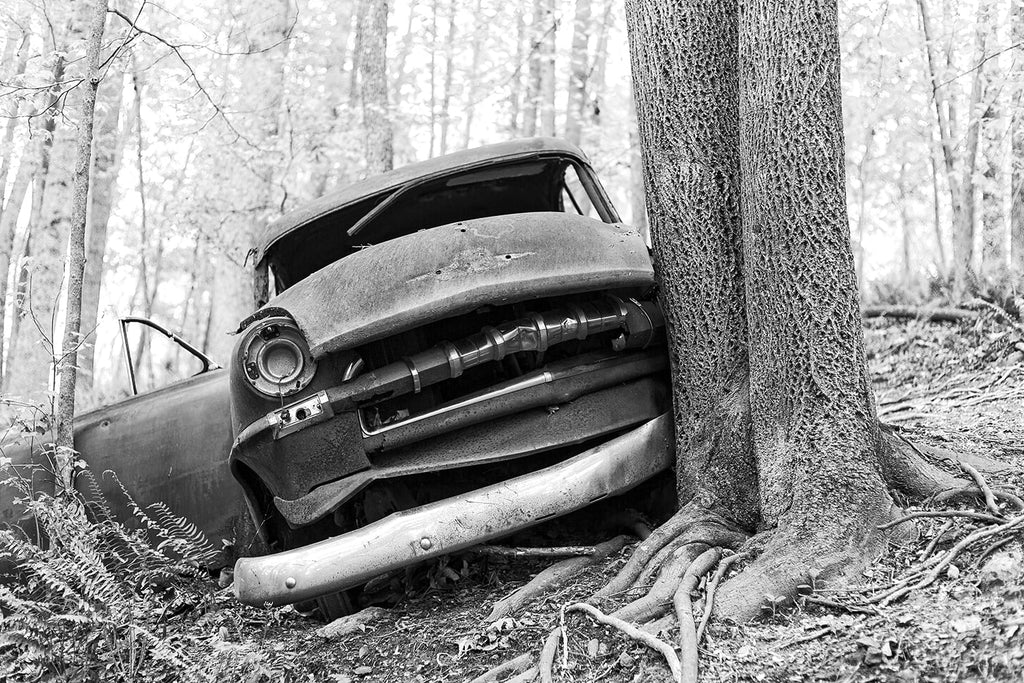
{"type": "Point", "coordinates": [85, 597]}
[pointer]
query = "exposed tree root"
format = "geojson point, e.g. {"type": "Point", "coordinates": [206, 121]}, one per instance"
{"type": "Point", "coordinates": [646, 551]}
{"type": "Point", "coordinates": [547, 656]}
{"type": "Point", "coordinates": [939, 563]}
{"type": "Point", "coordinates": [683, 602]}
{"type": "Point", "coordinates": [986, 490]}
{"type": "Point", "coordinates": [970, 493]}
{"type": "Point", "coordinates": [658, 598]}
{"type": "Point", "coordinates": [518, 665]}
{"type": "Point", "coordinates": [709, 600]}
{"type": "Point", "coordinates": [941, 513]}
{"type": "Point", "coordinates": [553, 577]}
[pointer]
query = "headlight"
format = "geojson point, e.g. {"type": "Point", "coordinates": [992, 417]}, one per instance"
{"type": "Point", "coordinates": [275, 357]}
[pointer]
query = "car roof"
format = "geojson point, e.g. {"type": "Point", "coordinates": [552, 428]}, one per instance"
{"type": "Point", "coordinates": [512, 150]}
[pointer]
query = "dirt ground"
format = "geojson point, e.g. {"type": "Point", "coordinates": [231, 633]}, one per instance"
{"type": "Point", "coordinates": [958, 386]}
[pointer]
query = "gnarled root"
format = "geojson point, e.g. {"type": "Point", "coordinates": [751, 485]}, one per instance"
{"type": "Point", "coordinates": [547, 656]}
{"type": "Point", "coordinates": [553, 577]}
{"type": "Point", "coordinates": [684, 612]}
{"type": "Point", "coordinates": [515, 666]}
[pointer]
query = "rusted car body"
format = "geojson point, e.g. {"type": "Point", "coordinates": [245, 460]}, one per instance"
{"type": "Point", "coordinates": [169, 445]}
{"type": "Point", "coordinates": [444, 354]}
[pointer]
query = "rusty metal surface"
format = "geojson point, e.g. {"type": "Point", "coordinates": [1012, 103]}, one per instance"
{"type": "Point", "coordinates": [488, 155]}
{"type": "Point", "coordinates": [169, 445]}
{"type": "Point", "coordinates": [527, 433]}
{"type": "Point", "coordinates": [459, 522]}
{"type": "Point", "coordinates": [453, 269]}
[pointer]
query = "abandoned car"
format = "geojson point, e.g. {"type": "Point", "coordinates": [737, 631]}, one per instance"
{"type": "Point", "coordinates": [444, 354]}
{"type": "Point", "coordinates": [441, 355]}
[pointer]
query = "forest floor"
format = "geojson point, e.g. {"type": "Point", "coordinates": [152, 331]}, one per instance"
{"type": "Point", "coordinates": [956, 386]}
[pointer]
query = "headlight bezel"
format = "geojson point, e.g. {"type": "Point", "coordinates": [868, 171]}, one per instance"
{"type": "Point", "coordinates": [268, 349]}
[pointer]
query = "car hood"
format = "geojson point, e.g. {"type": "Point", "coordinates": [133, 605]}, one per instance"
{"type": "Point", "coordinates": [452, 269]}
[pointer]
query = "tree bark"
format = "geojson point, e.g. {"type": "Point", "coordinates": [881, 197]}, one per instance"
{"type": "Point", "coordinates": [107, 154]}
{"type": "Point", "coordinates": [740, 121]}
{"type": "Point", "coordinates": [578, 73]}
{"type": "Point", "coordinates": [374, 88]}
{"type": "Point", "coordinates": [685, 82]}
{"type": "Point", "coordinates": [816, 438]}
{"type": "Point", "coordinates": [68, 361]}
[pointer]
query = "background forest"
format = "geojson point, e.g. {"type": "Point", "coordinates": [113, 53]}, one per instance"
{"type": "Point", "coordinates": [214, 118]}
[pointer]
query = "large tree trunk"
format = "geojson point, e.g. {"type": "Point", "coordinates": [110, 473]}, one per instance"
{"type": "Point", "coordinates": [741, 129]}
{"type": "Point", "coordinates": [374, 88]}
{"type": "Point", "coordinates": [686, 88]}
{"type": "Point", "coordinates": [67, 366]}
{"type": "Point", "coordinates": [107, 153]}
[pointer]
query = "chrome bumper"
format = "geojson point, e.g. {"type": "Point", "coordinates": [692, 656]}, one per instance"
{"type": "Point", "coordinates": [459, 522]}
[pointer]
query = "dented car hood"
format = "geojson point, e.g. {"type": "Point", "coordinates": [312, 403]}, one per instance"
{"type": "Point", "coordinates": [453, 269]}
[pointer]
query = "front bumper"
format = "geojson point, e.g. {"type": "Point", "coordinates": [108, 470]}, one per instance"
{"type": "Point", "coordinates": [459, 522]}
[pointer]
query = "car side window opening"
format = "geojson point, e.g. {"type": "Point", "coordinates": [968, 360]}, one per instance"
{"type": "Point", "coordinates": [155, 357]}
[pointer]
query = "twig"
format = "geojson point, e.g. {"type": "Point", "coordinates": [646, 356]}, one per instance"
{"type": "Point", "coordinates": [888, 596]}
{"type": "Point", "coordinates": [991, 549]}
{"type": "Point", "coordinates": [813, 635]}
{"type": "Point", "coordinates": [683, 603]}
{"type": "Point", "coordinates": [512, 666]}
{"type": "Point", "coordinates": [547, 655]}
{"type": "Point", "coordinates": [856, 609]}
{"type": "Point", "coordinates": [723, 567]}
{"type": "Point", "coordinates": [935, 541]}
{"type": "Point", "coordinates": [986, 490]}
{"type": "Point", "coordinates": [552, 578]}
{"type": "Point", "coordinates": [630, 630]}
{"type": "Point", "coordinates": [981, 517]}
{"type": "Point", "coordinates": [561, 551]}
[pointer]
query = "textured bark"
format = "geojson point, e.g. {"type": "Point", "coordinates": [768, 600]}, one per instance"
{"type": "Point", "coordinates": [686, 89]}
{"type": "Point", "coordinates": [107, 154]}
{"type": "Point", "coordinates": [816, 436]}
{"type": "Point", "coordinates": [67, 366]}
{"type": "Point", "coordinates": [578, 73]}
{"type": "Point", "coordinates": [374, 88]}
{"type": "Point", "coordinates": [741, 126]}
